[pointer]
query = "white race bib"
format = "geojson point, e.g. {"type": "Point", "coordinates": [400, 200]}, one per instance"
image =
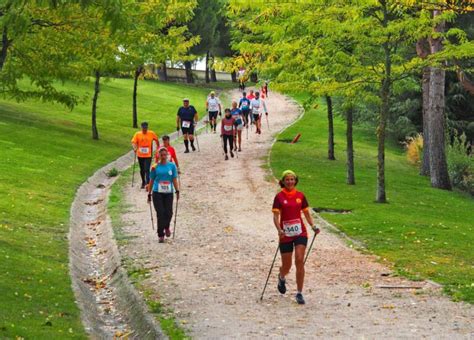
{"type": "Point", "coordinates": [186, 123]}
{"type": "Point", "coordinates": [164, 187]}
{"type": "Point", "coordinates": [292, 228]}
{"type": "Point", "coordinates": [227, 127]}
{"type": "Point", "coordinates": [144, 150]}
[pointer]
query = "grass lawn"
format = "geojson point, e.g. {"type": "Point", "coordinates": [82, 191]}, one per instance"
{"type": "Point", "coordinates": [423, 232]}
{"type": "Point", "coordinates": [46, 153]}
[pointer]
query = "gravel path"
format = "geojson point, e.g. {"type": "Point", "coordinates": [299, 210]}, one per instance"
{"type": "Point", "coordinates": [212, 274]}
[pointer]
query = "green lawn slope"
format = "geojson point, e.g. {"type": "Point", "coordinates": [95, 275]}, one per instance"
{"type": "Point", "coordinates": [46, 152]}
{"type": "Point", "coordinates": [423, 232]}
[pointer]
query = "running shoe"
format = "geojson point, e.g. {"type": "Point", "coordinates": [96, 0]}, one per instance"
{"type": "Point", "coordinates": [240, 149]}
{"type": "Point", "coordinates": [167, 232]}
{"type": "Point", "coordinates": [192, 146]}
{"type": "Point", "coordinates": [231, 154]}
{"type": "Point", "coordinates": [161, 240]}
{"type": "Point", "coordinates": [187, 151]}
{"type": "Point", "coordinates": [281, 285]}
{"type": "Point", "coordinates": [300, 299]}
{"type": "Point", "coordinates": [226, 157]}
{"type": "Point", "coordinates": [143, 185]}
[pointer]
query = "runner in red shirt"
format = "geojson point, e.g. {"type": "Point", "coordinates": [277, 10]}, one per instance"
{"type": "Point", "coordinates": [287, 207]}
{"type": "Point", "coordinates": [251, 95]}
{"type": "Point", "coordinates": [172, 157]}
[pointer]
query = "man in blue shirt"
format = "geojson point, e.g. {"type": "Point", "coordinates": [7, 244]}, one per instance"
{"type": "Point", "coordinates": [187, 119]}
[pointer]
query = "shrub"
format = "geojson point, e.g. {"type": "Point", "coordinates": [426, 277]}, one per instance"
{"type": "Point", "coordinates": [112, 172]}
{"type": "Point", "coordinates": [461, 164]}
{"type": "Point", "coordinates": [414, 146]}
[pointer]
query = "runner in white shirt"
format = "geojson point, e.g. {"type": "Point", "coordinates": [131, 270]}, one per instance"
{"type": "Point", "coordinates": [257, 106]}
{"type": "Point", "coordinates": [213, 107]}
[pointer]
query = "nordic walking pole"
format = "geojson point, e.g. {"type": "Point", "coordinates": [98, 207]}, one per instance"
{"type": "Point", "coordinates": [222, 143]}
{"type": "Point", "coordinates": [151, 214]}
{"type": "Point", "coordinates": [311, 245]}
{"type": "Point", "coordinates": [197, 141]}
{"type": "Point", "coordinates": [270, 272]}
{"type": "Point", "coordinates": [175, 216]}
{"type": "Point", "coordinates": [134, 162]}
{"type": "Point", "coordinates": [268, 124]}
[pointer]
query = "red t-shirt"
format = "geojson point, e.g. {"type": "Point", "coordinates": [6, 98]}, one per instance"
{"type": "Point", "coordinates": [171, 153]}
{"type": "Point", "coordinates": [227, 126]}
{"type": "Point", "coordinates": [251, 96]}
{"type": "Point", "coordinates": [290, 204]}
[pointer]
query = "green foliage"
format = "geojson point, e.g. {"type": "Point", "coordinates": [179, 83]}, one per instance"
{"type": "Point", "coordinates": [461, 164]}
{"type": "Point", "coordinates": [112, 172]}
{"type": "Point", "coordinates": [423, 232]}
{"type": "Point", "coordinates": [40, 43]}
{"type": "Point", "coordinates": [46, 154]}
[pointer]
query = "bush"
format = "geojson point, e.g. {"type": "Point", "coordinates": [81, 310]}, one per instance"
{"type": "Point", "coordinates": [461, 164]}
{"type": "Point", "coordinates": [414, 146]}
{"type": "Point", "coordinates": [112, 172]}
{"type": "Point", "coordinates": [403, 128]}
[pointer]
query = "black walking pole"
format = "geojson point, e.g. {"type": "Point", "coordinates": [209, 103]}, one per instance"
{"type": "Point", "coordinates": [134, 162]}
{"type": "Point", "coordinates": [175, 216]}
{"type": "Point", "coordinates": [151, 214]}
{"type": "Point", "coordinates": [311, 245]}
{"type": "Point", "coordinates": [270, 272]}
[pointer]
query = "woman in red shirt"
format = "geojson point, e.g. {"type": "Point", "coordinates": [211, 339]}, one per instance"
{"type": "Point", "coordinates": [287, 207]}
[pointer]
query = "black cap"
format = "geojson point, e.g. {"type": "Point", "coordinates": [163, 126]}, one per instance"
{"type": "Point", "coordinates": [145, 125]}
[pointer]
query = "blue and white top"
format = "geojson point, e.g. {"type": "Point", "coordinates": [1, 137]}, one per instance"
{"type": "Point", "coordinates": [162, 176]}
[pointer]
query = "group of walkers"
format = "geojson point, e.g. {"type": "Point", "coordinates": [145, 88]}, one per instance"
{"type": "Point", "coordinates": [161, 179]}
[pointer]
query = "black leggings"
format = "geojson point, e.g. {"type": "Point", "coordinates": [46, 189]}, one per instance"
{"type": "Point", "coordinates": [163, 204]}
{"type": "Point", "coordinates": [145, 164]}
{"type": "Point", "coordinates": [229, 138]}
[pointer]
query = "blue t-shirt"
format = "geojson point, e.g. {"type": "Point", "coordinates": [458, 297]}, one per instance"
{"type": "Point", "coordinates": [187, 114]}
{"type": "Point", "coordinates": [244, 103]}
{"type": "Point", "coordinates": [162, 176]}
{"type": "Point", "coordinates": [236, 114]}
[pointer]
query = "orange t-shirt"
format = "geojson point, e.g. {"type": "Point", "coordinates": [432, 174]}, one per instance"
{"type": "Point", "coordinates": [144, 143]}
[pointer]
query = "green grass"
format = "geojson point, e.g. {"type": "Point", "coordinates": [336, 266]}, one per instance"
{"type": "Point", "coordinates": [136, 273]}
{"type": "Point", "coordinates": [423, 232]}
{"type": "Point", "coordinates": [46, 153]}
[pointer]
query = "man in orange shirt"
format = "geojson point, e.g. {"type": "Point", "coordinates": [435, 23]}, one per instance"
{"type": "Point", "coordinates": [142, 143]}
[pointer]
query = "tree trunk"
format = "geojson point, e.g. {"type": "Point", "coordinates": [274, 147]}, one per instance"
{"type": "Point", "coordinates": [138, 72]}
{"type": "Point", "coordinates": [213, 70]}
{"type": "Point", "coordinates": [207, 68]}
{"type": "Point", "coordinates": [253, 77]}
{"type": "Point", "coordinates": [233, 75]}
{"type": "Point", "coordinates": [330, 129]}
{"type": "Point", "coordinates": [350, 147]}
{"type": "Point", "coordinates": [5, 45]}
{"type": "Point", "coordinates": [163, 72]}
{"type": "Point", "coordinates": [425, 165]}
{"type": "Point", "coordinates": [381, 196]}
{"type": "Point", "coordinates": [95, 132]}
{"type": "Point", "coordinates": [436, 120]}
{"type": "Point", "coordinates": [189, 72]}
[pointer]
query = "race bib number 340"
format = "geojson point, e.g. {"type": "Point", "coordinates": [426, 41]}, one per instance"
{"type": "Point", "coordinates": [292, 228]}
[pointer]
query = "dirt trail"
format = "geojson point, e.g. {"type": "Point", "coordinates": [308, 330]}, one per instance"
{"type": "Point", "coordinates": [213, 273]}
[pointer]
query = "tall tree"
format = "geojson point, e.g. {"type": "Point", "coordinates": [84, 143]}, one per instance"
{"type": "Point", "coordinates": [203, 24]}
{"type": "Point", "coordinates": [156, 32]}
{"type": "Point", "coordinates": [436, 120]}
